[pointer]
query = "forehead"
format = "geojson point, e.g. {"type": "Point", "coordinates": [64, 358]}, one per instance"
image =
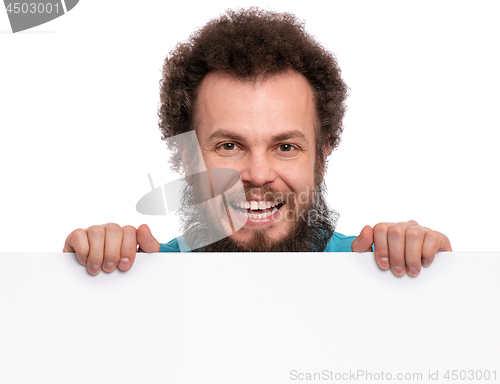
{"type": "Point", "coordinates": [274, 105]}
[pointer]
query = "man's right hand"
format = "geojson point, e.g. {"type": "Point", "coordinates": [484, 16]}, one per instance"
{"type": "Point", "coordinates": [109, 246]}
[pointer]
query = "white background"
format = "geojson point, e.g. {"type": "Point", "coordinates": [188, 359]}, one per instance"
{"type": "Point", "coordinates": [79, 95]}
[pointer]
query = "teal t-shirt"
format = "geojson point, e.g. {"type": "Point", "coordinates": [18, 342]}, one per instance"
{"type": "Point", "coordinates": [337, 243]}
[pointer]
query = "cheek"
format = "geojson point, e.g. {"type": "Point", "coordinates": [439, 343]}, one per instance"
{"type": "Point", "coordinates": [299, 179]}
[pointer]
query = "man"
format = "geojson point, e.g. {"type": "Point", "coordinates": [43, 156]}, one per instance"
{"type": "Point", "coordinates": [266, 100]}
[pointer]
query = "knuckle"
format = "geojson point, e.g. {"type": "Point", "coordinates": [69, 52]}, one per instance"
{"type": "Point", "coordinates": [395, 231]}
{"type": "Point", "coordinates": [381, 227]}
{"type": "Point", "coordinates": [414, 233]}
{"type": "Point", "coordinates": [112, 250]}
{"type": "Point", "coordinates": [113, 228]}
{"type": "Point", "coordinates": [128, 254]}
{"type": "Point", "coordinates": [129, 229]}
{"type": "Point", "coordinates": [380, 253]}
{"type": "Point", "coordinates": [397, 261]}
{"type": "Point", "coordinates": [432, 236]}
{"type": "Point", "coordinates": [79, 234]}
{"type": "Point", "coordinates": [96, 231]}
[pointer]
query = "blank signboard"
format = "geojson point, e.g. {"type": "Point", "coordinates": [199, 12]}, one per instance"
{"type": "Point", "coordinates": [249, 318]}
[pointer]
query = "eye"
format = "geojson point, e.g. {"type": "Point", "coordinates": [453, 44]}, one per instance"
{"type": "Point", "coordinates": [286, 147]}
{"type": "Point", "coordinates": [228, 146]}
{"type": "Point", "coordinates": [229, 149]}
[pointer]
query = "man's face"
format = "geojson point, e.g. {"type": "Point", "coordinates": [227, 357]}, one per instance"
{"type": "Point", "coordinates": [266, 131]}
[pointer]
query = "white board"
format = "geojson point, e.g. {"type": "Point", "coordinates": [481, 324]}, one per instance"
{"type": "Point", "coordinates": [247, 318]}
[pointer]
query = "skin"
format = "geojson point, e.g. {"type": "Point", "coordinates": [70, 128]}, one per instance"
{"type": "Point", "coordinates": [266, 131]}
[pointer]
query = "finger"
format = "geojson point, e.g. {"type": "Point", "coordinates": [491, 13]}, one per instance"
{"type": "Point", "coordinates": [78, 243]}
{"type": "Point", "coordinates": [128, 249]}
{"type": "Point", "coordinates": [96, 235]}
{"type": "Point", "coordinates": [434, 242]}
{"type": "Point", "coordinates": [381, 246]}
{"type": "Point", "coordinates": [396, 241]}
{"type": "Point", "coordinates": [112, 246]}
{"type": "Point", "coordinates": [415, 236]}
{"type": "Point", "coordinates": [147, 243]}
{"type": "Point", "coordinates": [445, 245]}
{"type": "Point", "coordinates": [363, 243]}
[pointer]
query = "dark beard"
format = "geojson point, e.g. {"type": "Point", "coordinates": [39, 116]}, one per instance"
{"type": "Point", "coordinates": [311, 232]}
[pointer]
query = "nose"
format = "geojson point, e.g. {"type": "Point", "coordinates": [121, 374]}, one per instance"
{"type": "Point", "coordinates": [257, 169]}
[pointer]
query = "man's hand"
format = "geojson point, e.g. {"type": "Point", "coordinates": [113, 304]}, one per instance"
{"type": "Point", "coordinates": [109, 246]}
{"type": "Point", "coordinates": [403, 247]}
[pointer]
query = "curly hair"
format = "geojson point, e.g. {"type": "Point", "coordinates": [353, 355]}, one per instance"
{"type": "Point", "coordinates": [250, 44]}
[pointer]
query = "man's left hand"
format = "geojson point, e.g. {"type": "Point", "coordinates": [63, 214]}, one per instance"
{"type": "Point", "coordinates": [403, 247]}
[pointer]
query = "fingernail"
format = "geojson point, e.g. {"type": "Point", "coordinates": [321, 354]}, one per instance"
{"type": "Point", "coordinates": [384, 262]}
{"type": "Point", "coordinates": [412, 271]}
{"type": "Point", "coordinates": [84, 261]}
{"type": "Point", "coordinates": [425, 263]}
{"type": "Point", "coordinates": [124, 263]}
{"type": "Point", "coordinates": [399, 270]}
{"type": "Point", "coordinates": [150, 235]}
{"type": "Point", "coordinates": [109, 266]}
{"type": "Point", "coordinates": [95, 269]}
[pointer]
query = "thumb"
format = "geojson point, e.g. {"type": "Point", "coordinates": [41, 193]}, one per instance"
{"type": "Point", "coordinates": [147, 243]}
{"type": "Point", "coordinates": [364, 242]}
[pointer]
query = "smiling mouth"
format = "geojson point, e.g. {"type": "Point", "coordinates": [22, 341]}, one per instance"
{"type": "Point", "coordinates": [257, 209]}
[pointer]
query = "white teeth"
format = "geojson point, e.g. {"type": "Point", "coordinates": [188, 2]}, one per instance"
{"type": "Point", "coordinates": [256, 205]}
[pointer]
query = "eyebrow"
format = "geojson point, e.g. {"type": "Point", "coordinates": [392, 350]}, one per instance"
{"type": "Point", "coordinates": [222, 133]}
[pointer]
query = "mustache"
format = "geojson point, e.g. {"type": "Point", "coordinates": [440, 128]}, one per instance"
{"type": "Point", "coordinates": [270, 193]}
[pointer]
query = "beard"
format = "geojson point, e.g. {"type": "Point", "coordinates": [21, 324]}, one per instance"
{"type": "Point", "coordinates": [312, 227]}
